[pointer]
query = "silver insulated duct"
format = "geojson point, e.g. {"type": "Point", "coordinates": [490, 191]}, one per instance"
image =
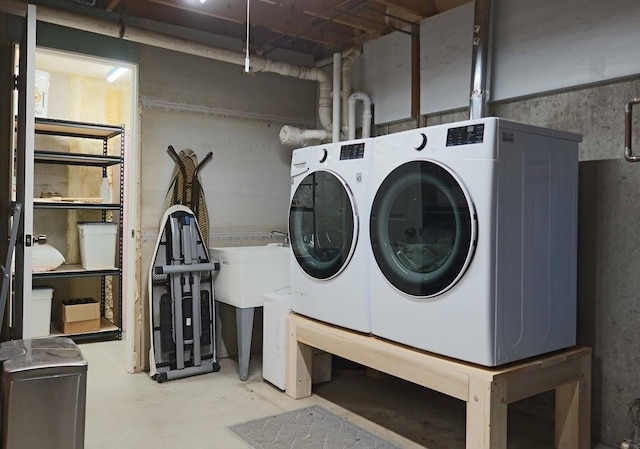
{"type": "Point", "coordinates": [481, 59]}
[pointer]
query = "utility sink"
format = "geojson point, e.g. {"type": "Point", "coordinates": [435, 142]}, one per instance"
{"type": "Point", "coordinates": [248, 272]}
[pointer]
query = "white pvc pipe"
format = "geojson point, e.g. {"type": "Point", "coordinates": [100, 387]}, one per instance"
{"type": "Point", "coordinates": [366, 115]}
{"type": "Point", "coordinates": [349, 57]}
{"type": "Point", "coordinates": [290, 135]}
{"type": "Point", "coordinates": [155, 39]}
{"type": "Point", "coordinates": [337, 60]}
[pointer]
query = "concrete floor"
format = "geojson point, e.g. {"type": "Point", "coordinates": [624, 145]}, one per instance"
{"type": "Point", "coordinates": [131, 411]}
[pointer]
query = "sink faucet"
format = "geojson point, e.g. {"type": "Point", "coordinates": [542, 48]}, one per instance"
{"type": "Point", "coordinates": [284, 234]}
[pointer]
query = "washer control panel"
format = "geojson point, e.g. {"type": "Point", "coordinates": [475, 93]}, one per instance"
{"type": "Point", "coordinates": [352, 151]}
{"type": "Point", "coordinates": [465, 135]}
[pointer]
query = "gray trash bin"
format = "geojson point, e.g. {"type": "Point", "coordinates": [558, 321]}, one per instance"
{"type": "Point", "coordinates": [43, 395]}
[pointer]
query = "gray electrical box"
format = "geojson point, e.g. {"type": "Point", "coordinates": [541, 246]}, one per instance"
{"type": "Point", "coordinates": [43, 394]}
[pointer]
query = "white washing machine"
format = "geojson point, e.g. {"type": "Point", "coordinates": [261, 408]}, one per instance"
{"type": "Point", "coordinates": [329, 233]}
{"type": "Point", "coordinates": [473, 240]}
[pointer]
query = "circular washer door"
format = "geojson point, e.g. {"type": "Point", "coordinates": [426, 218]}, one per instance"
{"type": "Point", "coordinates": [323, 225]}
{"type": "Point", "coordinates": [423, 229]}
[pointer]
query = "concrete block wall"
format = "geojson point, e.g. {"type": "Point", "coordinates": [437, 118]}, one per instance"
{"type": "Point", "coordinates": [608, 241]}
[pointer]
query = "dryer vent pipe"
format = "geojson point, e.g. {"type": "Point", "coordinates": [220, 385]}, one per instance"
{"type": "Point", "coordinates": [154, 39]}
{"type": "Point", "coordinates": [481, 59]}
{"type": "Point", "coordinates": [290, 135]}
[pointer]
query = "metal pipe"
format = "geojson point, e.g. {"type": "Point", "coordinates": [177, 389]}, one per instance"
{"type": "Point", "coordinates": [628, 127]}
{"type": "Point", "coordinates": [337, 62]}
{"type": "Point", "coordinates": [481, 59]}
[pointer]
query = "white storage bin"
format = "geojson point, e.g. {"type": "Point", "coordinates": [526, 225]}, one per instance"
{"type": "Point", "coordinates": [277, 305]}
{"type": "Point", "coordinates": [97, 244]}
{"type": "Point", "coordinates": [41, 311]}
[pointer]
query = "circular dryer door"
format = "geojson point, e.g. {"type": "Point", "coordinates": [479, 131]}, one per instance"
{"type": "Point", "coordinates": [423, 228]}
{"type": "Point", "coordinates": [323, 225]}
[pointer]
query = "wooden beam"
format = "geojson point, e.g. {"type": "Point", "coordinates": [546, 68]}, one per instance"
{"type": "Point", "coordinates": [573, 411]}
{"type": "Point", "coordinates": [113, 5]}
{"type": "Point", "coordinates": [299, 365]}
{"type": "Point", "coordinates": [446, 5]}
{"type": "Point", "coordinates": [397, 360]}
{"type": "Point", "coordinates": [415, 75]}
{"type": "Point", "coordinates": [285, 21]}
{"type": "Point", "coordinates": [486, 415]}
{"type": "Point", "coordinates": [424, 8]}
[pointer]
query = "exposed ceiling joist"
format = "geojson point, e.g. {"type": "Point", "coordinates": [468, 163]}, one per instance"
{"type": "Point", "coordinates": [318, 27]}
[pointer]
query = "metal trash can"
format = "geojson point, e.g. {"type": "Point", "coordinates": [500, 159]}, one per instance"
{"type": "Point", "coordinates": [43, 394]}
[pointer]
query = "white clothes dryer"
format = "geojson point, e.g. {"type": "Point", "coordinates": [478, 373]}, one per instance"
{"type": "Point", "coordinates": [329, 233]}
{"type": "Point", "coordinates": [473, 235]}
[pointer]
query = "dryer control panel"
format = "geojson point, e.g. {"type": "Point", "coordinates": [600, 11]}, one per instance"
{"type": "Point", "coordinates": [465, 135]}
{"type": "Point", "coordinates": [352, 151]}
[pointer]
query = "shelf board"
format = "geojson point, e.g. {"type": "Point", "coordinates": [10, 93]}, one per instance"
{"type": "Point", "coordinates": [74, 205]}
{"type": "Point", "coordinates": [73, 271]}
{"type": "Point", "coordinates": [68, 128]}
{"type": "Point", "coordinates": [62, 158]}
{"type": "Point", "coordinates": [107, 330]}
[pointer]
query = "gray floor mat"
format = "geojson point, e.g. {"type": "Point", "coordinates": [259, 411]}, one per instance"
{"type": "Point", "coordinates": [312, 428]}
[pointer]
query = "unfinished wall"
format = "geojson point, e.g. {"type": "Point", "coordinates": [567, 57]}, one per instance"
{"type": "Point", "coordinates": [205, 105]}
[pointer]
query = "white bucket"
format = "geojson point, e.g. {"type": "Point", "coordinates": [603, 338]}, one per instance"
{"type": "Point", "coordinates": [41, 311]}
{"type": "Point", "coordinates": [41, 93]}
{"type": "Point", "coordinates": [97, 245]}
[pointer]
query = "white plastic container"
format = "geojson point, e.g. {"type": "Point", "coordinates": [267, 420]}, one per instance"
{"type": "Point", "coordinates": [97, 244]}
{"type": "Point", "coordinates": [41, 94]}
{"type": "Point", "coordinates": [277, 306]}
{"type": "Point", "coordinates": [41, 311]}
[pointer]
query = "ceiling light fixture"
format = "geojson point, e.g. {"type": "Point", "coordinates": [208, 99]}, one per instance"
{"type": "Point", "coordinates": [202, 2]}
{"type": "Point", "coordinates": [116, 73]}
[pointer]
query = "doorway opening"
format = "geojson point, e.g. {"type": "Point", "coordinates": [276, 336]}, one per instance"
{"type": "Point", "coordinates": [82, 88]}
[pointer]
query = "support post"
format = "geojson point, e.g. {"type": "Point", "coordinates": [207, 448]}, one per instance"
{"type": "Point", "coordinates": [299, 364]}
{"type": "Point", "coordinates": [486, 414]}
{"type": "Point", "coordinates": [573, 411]}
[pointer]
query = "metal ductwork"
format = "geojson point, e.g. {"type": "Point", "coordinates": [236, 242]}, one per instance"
{"type": "Point", "coordinates": [481, 59]}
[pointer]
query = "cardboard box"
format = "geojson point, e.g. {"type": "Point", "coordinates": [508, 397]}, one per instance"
{"type": "Point", "coordinates": [76, 316]}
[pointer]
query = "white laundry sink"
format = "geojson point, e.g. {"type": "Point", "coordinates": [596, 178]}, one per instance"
{"type": "Point", "coordinates": [248, 272]}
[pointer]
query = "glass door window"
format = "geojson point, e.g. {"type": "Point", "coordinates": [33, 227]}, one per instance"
{"type": "Point", "coordinates": [422, 229]}
{"type": "Point", "coordinates": [322, 225]}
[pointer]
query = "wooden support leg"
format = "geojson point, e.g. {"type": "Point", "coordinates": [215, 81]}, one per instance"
{"type": "Point", "coordinates": [486, 415]}
{"type": "Point", "coordinates": [573, 411]}
{"type": "Point", "coordinates": [299, 364]}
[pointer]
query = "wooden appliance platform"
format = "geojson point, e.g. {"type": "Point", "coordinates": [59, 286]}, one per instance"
{"type": "Point", "coordinates": [487, 391]}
